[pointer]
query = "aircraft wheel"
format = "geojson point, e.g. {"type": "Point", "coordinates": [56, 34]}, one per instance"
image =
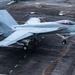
{"type": "Point", "coordinates": [64, 42]}
{"type": "Point", "coordinates": [25, 47]}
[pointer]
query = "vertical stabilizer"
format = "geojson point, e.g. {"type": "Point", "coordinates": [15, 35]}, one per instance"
{"type": "Point", "coordinates": [6, 18]}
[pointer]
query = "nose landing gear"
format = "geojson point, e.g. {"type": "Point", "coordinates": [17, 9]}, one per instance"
{"type": "Point", "coordinates": [64, 42]}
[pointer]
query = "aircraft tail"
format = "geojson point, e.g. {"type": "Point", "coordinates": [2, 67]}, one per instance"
{"type": "Point", "coordinates": [6, 23]}
{"type": "Point", "coordinates": [4, 29]}
{"type": "Point", "coordinates": [6, 18]}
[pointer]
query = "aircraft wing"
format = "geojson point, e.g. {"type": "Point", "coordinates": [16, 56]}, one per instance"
{"type": "Point", "coordinates": [14, 37]}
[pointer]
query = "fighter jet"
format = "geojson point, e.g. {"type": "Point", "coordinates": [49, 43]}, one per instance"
{"type": "Point", "coordinates": [25, 33]}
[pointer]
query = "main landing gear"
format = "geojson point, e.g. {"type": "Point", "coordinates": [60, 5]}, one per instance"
{"type": "Point", "coordinates": [25, 47]}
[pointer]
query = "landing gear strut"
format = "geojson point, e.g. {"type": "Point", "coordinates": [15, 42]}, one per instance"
{"type": "Point", "coordinates": [33, 40]}
{"type": "Point", "coordinates": [64, 42]}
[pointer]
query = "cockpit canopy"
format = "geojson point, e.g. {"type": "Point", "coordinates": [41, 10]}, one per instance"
{"type": "Point", "coordinates": [66, 22]}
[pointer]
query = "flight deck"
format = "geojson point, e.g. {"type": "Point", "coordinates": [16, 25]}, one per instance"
{"type": "Point", "coordinates": [47, 56]}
